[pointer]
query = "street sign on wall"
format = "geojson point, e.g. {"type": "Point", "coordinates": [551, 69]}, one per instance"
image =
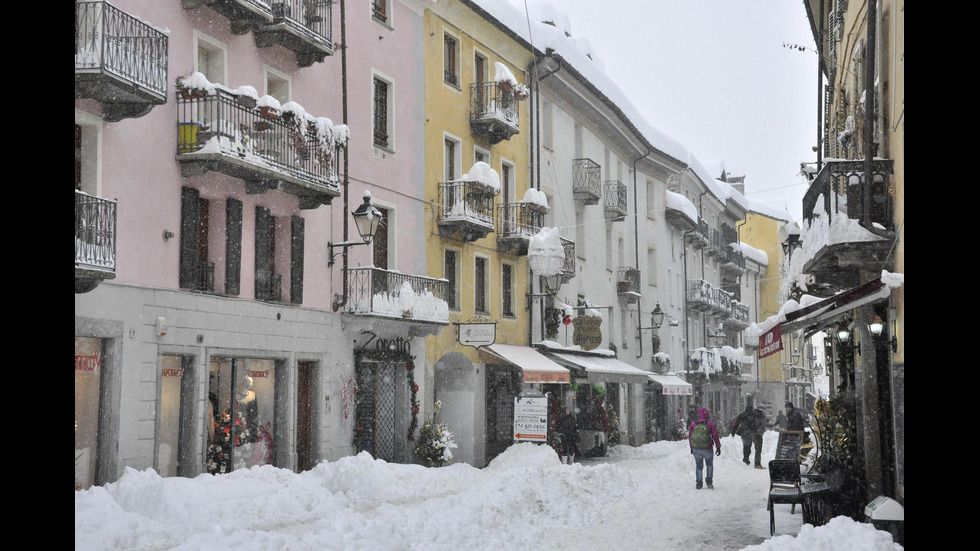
{"type": "Point", "coordinates": [530, 419]}
{"type": "Point", "coordinates": [476, 333]}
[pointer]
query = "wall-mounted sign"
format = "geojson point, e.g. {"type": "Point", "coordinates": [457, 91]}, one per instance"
{"type": "Point", "coordinates": [771, 342]}
{"type": "Point", "coordinates": [587, 333]}
{"type": "Point", "coordinates": [476, 333]}
{"type": "Point", "coordinates": [530, 419]}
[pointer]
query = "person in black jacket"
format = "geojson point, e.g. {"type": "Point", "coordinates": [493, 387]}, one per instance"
{"type": "Point", "coordinates": [794, 420]}
{"type": "Point", "coordinates": [743, 427]}
{"type": "Point", "coordinates": [567, 427]}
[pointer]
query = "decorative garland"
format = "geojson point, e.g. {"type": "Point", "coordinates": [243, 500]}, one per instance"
{"type": "Point", "coordinates": [398, 356]}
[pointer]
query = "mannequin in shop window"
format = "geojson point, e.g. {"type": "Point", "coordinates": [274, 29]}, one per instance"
{"type": "Point", "coordinates": [250, 405]}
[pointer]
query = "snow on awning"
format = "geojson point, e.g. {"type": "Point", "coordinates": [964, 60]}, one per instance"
{"type": "Point", "coordinates": [841, 303]}
{"type": "Point", "coordinates": [605, 370]}
{"type": "Point", "coordinates": [671, 384]}
{"type": "Point", "coordinates": [536, 367]}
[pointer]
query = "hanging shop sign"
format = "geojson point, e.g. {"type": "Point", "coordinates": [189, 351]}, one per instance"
{"type": "Point", "coordinates": [530, 419]}
{"type": "Point", "coordinates": [476, 333]}
{"type": "Point", "coordinates": [587, 333]}
{"type": "Point", "coordinates": [770, 342]}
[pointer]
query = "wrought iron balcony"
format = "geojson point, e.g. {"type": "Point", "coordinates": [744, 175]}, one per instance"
{"type": "Point", "coordinates": [383, 293]}
{"type": "Point", "coordinates": [700, 295]}
{"type": "Point", "coordinates": [796, 374]}
{"type": "Point", "coordinates": [715, 245]}
{"type": "Point", "coordinates": [244, 15]}
{"type": "Point", "coordinates": [720, 302]}
{"type": "Point", "coordinates": [586, 181]}
{"type": "Point", "coordinates": [302, 26]}
{"type": "Point", "coordinates": [519, 222]}
{"type": "Point", "coordinates": [840, 200]}
{"type": "Point", "coordinates": [120, 61]}
{"type": "Point", "coordinates": [615, 200]}
{"type": "Point", "coordinates": [700, 237]}
{"type": "Point", "coordinates": [568, 270]}
{"type": "Point", "coordinates": [732, 260]}
{"type": "Point", "coordinates": [267, 149]}
{"type": "Point", "coordinates": [628, 283]}
{"type": "Point", "coordinates": [494, 111]}
{"type": "Point", "coordinates": [739, 318]}
{"type": "Point", "coordinates": [95, 241]}
{"type": "Point", "coordinates": [465, 210]}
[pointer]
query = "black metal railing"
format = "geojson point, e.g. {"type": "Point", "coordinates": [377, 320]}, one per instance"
{"type": "Point", "coordinates": [230, 125]}
{"type": "Point", "coordinates": [628, 280]}
{"type": "Point", "coordinates": [699, 293]}
{"type": "Point", "coordinates": [586, 177]}
{"type": "Point", "coordinates": [467, 201]}
{"type": "Point", "coordinates": [393, 294]}
{"type": "Point", "coordinates": [95, 232]}
{"type": "Point", "coordinates": [840, 188]}
{"type": "Point", "coordinates": [109, 40]}
{"type": "Point", "coordinates": [519, 220]}
{"type": "Point", "coordinates": [733, 258]}
{"type": "Point", "coordinates": [313, 18]}
{"type": "Point", "coordinates": [740, 313]}
{"type": "Point", "coordinates": [615, 198]}
{"type": "Point", "coordinates": [720, 300]}
{"type": "Point", "coordinates": [207, 277]}
{"type": "Point", "coordinates": [488, 100]}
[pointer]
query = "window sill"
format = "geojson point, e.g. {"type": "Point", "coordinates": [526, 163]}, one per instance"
{"type": "Point", "coordinates": [383, 23]}
{"type": "Point", "coordinates": [453, 87]}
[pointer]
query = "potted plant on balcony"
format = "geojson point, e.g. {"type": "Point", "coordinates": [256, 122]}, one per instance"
{"type": "Point", "coordinates": [193, 86]}
{"type": "Point", "coordinates": [269, 107]}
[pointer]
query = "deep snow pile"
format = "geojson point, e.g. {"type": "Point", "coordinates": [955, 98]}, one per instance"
{"type": "Point", "coordinates": [525, 499]}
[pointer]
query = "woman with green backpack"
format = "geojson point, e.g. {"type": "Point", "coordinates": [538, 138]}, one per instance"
{"type": "Point", "coordinates": [703, 439]}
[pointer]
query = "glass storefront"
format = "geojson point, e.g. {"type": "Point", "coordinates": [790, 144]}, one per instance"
{"type": "Point", "coordinates": [88, 384]}
{"type": "Point", "coordinates": [242, 393]}
{"type": "Point", "coordinates": [168, 439]}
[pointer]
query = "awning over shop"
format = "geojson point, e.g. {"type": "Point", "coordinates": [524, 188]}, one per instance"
{"type": "Point", "coordinates": [831, 307]}
{"type": "Point", "coordinates": [605, 370]}
{"type": "Point", "coordinates": [672, 385]}
{"type": "Point", "coordinates": [535, 366]}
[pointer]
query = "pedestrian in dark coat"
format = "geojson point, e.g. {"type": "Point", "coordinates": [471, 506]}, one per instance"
{"type": "Point", "coordinates": [794, 420]}
{"type": "Point", "coordinates": [760, 430]}
{"type": "Point", "coordinates": [744, 427]}
{"type": "Point", "coordinates": [567, 427]}
{"type": "Point", "coordinates": [780, 421]}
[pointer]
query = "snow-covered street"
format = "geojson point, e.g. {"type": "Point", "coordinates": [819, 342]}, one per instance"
{"type": "Point", "coordinates": [636, 498]}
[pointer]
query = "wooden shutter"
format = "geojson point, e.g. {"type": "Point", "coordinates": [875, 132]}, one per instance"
{"type": "Point", "coordinates": [263, 253]}
{"type": "Point", "coordinates": [190, 234]}
{"type": "Point", "coordinates": [297, 224]}
{"type": "Point", "coordinates": [233, 247]}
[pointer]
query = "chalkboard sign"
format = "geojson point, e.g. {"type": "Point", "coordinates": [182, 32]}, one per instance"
{"type": "Point", "coordinates": [789, 444]}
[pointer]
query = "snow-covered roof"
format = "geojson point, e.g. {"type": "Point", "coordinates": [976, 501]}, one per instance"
{"type": "Point", "coordinates": [677, 201]}
{"type": "Point", "coordinates": [758, 255]}
{"type": "Point", "coordinates": [774, 208]}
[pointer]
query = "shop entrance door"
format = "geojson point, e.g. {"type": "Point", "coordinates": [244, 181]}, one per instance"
{"type": "Point", "coordinates": [304, 416]}
{"type": "Point", "coordinates": [500, 392]}
{"type": "Point", "coordinates": [376, 407]}
{"type": "Point", "coordinates": [89, 356]}
{"type": "Point", "coordinates": [175, 413]}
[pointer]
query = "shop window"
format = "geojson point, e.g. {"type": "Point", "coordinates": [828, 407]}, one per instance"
{"type": "Point", "coordinates": [175, 412]}
{"type": "Point", "coordinates": [88, 390]}
{"type": "Point", "coordinates": [241, 419]}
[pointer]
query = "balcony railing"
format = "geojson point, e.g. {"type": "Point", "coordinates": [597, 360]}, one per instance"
{"type": "Point", "coordinates": [519, 222]}
{"type": "Point", "coordinates": [840, 186]}
{"type": "Point", "coordinates": [465, 210]}
{"type": "Point", "coordinates": [120, 61]}
{"type": "Point", "coordinates": [699, 294]}
{"type": "Point", "coordinates": [732, 260]}
{"type": "Point", "coordinates": [739, 315]}
{"type": "Point", "coordinates": [586, 181]}
{"type": "Point", "coordinates": [838, 201]}
{"type": "Point", "coordinates": [243, 15]}
{"type": "Point", "coordinates": [95, 237]}
{"type": "Point", "coordinates": [303, 26]}
{"type": "Point", "coordinates": [700, 237]}
{"type": "Point", "coordinates": [720, 301]}
{"type": "Point", "coordinates": [226, 133]}
{"type": "Point", "coordinates": [377, 292]}
{"type": "Point", "coordinates": [628, 283]}
{"type": "Point", "coordinates": [494, 111]}
{"type": "Point", "coordinates": [797, 374]}
{"type": "Point", "coordinates": [615, 200]}
{"type": "Point", "coordinates": [568, 269]}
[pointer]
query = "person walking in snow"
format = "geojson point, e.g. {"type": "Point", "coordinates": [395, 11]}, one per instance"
{"type": "Point", "coordinates": [759, 415]}
{"type": "Point", "coordinates": [703, 439]}
{"type": "Point", "coordinates": [794, 420]}
{"type": "Point", "coordinates": [745, 427]}
{"type": "Point", "coordinates": [568, 429]}
{"type": "Point", "coordinates": [780, 423]}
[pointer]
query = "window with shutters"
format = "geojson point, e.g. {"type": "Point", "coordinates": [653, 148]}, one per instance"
{"type": "Point", "coordinates": [268, 284]}
{"type": "Point", "coordinates": [297, 255]}
{"type": "Point", "coordinates": [383, 137]}
{"type": "Point", "coordinates": [480, 303]}
{"type": "Point", "coordinates": [507, 289]}
{"type": "Point", "coordinates": [197, 269]}
{"type": "Point", "coordinates": [450, 59]}
{"type": "Point", "coordinates": [451, 274]}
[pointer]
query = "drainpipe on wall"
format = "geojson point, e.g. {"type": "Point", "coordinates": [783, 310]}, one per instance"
{"type": "Point", "coordinates": [870, 101]}
{"type": "Point", "coordinates": [636, 246]}
{"type": "Point", "coordinates": [536, 156]}
{"type": "Point", "coordinates": [340, 301]}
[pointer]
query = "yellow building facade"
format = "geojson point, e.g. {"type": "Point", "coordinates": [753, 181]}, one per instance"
{"type": "Point", "coordinates": [761, 232]}
{"type": "Point", "coordinates": [476, 112]}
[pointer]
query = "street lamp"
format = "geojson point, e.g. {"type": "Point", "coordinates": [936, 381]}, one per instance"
{"type": "Point", "coordinates": [367, 218]}
{"type": "Point", "coordinates": [877, 327]}
{"type": "Point", "coordinates": [546, 256]}
{"type": "Point", "coordinates": [657, 319]}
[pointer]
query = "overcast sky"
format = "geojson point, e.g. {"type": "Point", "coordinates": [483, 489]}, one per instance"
{"type": "Point", "coordinates": [715, 76]}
